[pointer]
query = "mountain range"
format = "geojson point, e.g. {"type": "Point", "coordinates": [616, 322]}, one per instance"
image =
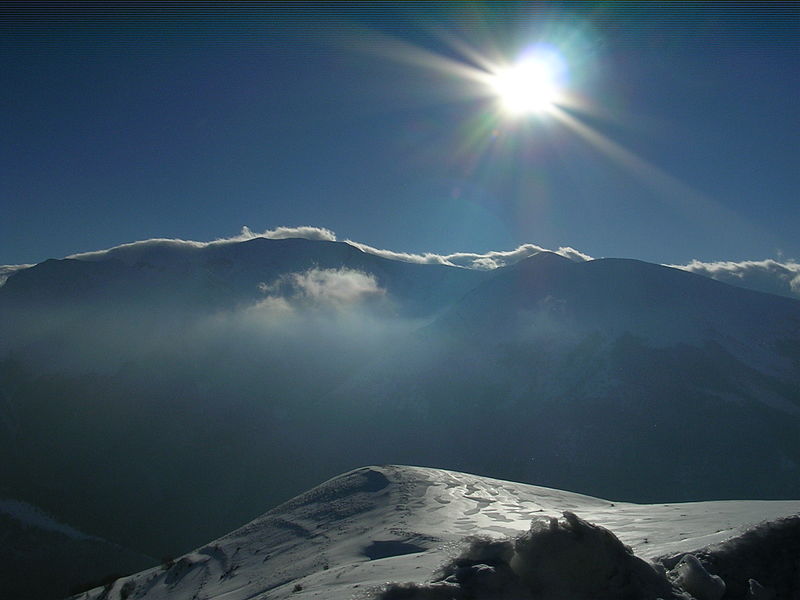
{"type": "Point", "coordinates": [159, 395]}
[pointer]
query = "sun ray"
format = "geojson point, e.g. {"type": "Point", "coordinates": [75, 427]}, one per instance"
{"type": "Point", "coordinates": [376, 43]}
{"type": "Point", "coordinates": [680, 195]}
{"type": "Point", "coordinates": [495, 135]}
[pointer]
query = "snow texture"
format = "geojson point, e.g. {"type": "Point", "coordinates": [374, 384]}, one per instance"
{"type": "Point", "coordinates": [690, 575]}
{"type": "Point", "coordinates": [555, 559]}
{"type": "Point", "coordinates": [446, 535]}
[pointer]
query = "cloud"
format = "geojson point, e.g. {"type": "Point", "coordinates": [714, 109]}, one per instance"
{"type": "Point", "coordinates": [7, 271]}
{"type": "Point", "coordinates": [132, 252]}
{"type": "Point", "coordinates": [336, 288]}
{"type": "Point", "coordinates": [472, 260]}
{"type": "Point", "coordinates": [281, 233]}
{"type": "Point", "coordinates": [771, 276]}
{"type": "Point", "coordinates": [321, 321]}
{"type": "Point", "coordinates": [423, 259]}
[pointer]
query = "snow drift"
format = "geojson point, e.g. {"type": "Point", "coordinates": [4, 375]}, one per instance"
{"type": "Point", "coordinates": [555, 559]}
{"type": "Point", "coordinates": [571, 558]}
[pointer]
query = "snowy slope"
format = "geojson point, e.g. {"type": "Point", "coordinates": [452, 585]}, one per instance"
{"type": "Point", "coordinates": [349, 536]}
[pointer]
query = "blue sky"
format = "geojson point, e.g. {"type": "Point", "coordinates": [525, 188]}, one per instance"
{"type": "Point", "coordinates": [141, 121]}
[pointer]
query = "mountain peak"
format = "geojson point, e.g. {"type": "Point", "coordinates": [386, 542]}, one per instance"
{"type": "Point", "coordinates": [543, 259]}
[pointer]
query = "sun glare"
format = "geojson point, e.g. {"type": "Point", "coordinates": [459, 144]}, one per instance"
{"type": "Point", "coordinates": [530, 86]}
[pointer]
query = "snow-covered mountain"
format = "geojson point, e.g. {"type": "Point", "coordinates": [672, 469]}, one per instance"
{"type": "Point", "coordinates": [409, 532]}
{"type": "Point", "coordinates": [189, 387]}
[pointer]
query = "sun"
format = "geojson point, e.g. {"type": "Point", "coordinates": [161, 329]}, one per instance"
{"type": "Point", "coordinates": [530, 86]}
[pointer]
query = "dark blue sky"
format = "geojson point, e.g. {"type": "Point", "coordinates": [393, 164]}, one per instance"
{"type": "Point", "coordinates": [140, 121]}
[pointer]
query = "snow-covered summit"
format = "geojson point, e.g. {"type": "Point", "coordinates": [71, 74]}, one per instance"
{"type": "Point", "coordinates": [348, 537]}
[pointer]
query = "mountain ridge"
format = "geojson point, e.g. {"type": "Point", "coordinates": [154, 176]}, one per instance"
{"type": "Point", "coordinates": [299, 359]}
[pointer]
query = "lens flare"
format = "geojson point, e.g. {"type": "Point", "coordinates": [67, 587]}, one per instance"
{"type": "Point", "coordinates": [530, 86]}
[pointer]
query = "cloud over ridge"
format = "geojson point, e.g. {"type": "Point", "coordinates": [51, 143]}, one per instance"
{"type": "Point", "coordinates": [471, 260]}
{"type": "Point", "coordinates": [130, 251]}
{"type": "Point", "coordinates": [771, 276]}
{"type": "Point", "coordinates": [780, 277]}
{"type": "Point", "coordinates": [494, 259]}
{"type": "Point", "coordinates": [307, 232]}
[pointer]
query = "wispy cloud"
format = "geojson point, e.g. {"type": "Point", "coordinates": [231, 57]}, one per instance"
{"type": "Point", "coordinates": [472, 260]}
{"type": "Point", "coordinates": [132, 251]}
{"type": "Point", "coordinates": [769, 275]}
{"type": "Point", "coordinates": [773, 276]}
{"type": "Point", "coordinates": [280, 233]}
{"type": "Point", "coordinates": [336, 288]}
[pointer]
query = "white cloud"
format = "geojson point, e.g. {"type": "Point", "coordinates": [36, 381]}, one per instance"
{"type": "Point", "coordinates": [319, 316]}
{"type": "Point", "coordinates": [336, 288]}
{"type": "Point", "coordinates": [274, 306]}
{"type": "Point", "coordinates": [472, 260]}
{"type": "Point", "coordinates": [503, 258]}
{"type": "Point", "coordinates": [768, 275]}
{"type": "Point", "coordinates": [130, 253]}
{"type": "Point", "coordinates": [280, 233]}
{"type": "Point", "coordinates": [573, 254]}
{"type": "Point", "coordinates": [772, 276]}
{"type": "Point", "coordinates": [424, 259]}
